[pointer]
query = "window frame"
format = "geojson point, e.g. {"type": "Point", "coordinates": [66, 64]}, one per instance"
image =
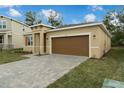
{"type": "Point", "coordinates": [2, 24]}
{"type": "Point", "coordinates": [29, 40]}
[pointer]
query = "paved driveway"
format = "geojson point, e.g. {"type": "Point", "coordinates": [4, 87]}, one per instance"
{"type": "Point", "coordinates": [38, 71]}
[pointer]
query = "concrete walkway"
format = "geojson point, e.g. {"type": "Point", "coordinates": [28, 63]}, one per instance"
{"type": "Point", "coordinates": [37, 71]}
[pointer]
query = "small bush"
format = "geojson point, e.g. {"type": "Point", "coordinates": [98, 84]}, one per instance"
{"type": "Point", "coordinates": [20, 51]}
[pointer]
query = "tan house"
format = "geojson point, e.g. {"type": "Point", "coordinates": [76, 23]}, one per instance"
{"type": "Point", "coordinates": [91, 39]}
{"type": "Point", "coordinates": [11, 33]}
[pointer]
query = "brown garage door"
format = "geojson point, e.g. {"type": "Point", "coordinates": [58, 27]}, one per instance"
{"type": "Point", "coordinates": [74, 45]}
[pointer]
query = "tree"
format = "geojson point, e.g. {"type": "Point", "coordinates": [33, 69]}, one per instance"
{"type": "Point", "coordinates": [55, 19]}
{"type": "Point", "coordinates": [32, 18]}
{"type": "Point", "coordinates": [114, 22]}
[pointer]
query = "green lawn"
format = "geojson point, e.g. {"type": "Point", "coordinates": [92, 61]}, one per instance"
{"type": "Point", "coordinates": [9, 56]}
{"type": "Point", "coordinates": [93, 72]}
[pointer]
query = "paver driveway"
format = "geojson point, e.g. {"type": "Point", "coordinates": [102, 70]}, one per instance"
{"type": "Point", "coordinates": [38, 71]}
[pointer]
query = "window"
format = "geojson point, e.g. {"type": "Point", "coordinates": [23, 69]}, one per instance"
{"type": "Point", "coordinates": [29, 41]}
{"type": "Point", "coordinates": [2, 24]}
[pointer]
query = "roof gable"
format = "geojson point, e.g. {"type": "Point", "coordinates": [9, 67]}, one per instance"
{"type": "Point", "coordinates": [14, 20]}
{"type": "Point", "coordinates": [41, 24]}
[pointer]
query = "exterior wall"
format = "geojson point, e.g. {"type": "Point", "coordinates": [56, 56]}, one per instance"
{"type": "Point", "coordinates": [14, 31]}
{"type": "Point", "coordinates": [96, 39]}
{"type": "Point", "coordinates": [27, 31]}
{"type": "Point", "coordinates": [92, 30]}
{"type": "Point", "coordinates": [17, 34]}
{"type": "Point", "coordinates": [7, 31]}
{"type": "Point", "coordinates": [105, 43]}
{"type": "Point", "coordinates": [41, 30]}
{"type": "Point", "coordinates": [26, 48]}
{"type": "Point", "coordinates": [8, 21]}
{"type": "Point", "coordinates": [6, 36]}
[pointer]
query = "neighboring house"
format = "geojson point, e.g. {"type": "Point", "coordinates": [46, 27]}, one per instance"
{"type": "Point", "coordinates": [11, 33]}
{"type": "Point", "coordinates": [91, 39]}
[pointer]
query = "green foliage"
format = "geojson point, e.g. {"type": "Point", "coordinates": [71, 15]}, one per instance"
{"type": "Point", "coordinates": [114, 22]}
{"type": "Point", "coordinates": [32, 18]}
{"type": "Point", "coordinates": [7, 56]}
{"type": "Point", "coordinates": [20, 51]}
{"type": "Point", "coordinates": [55, 20]}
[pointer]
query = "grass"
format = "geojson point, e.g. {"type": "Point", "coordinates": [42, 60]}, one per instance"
{"type": "Point", "coordinates": [10, 56]}
{"type": "Point", "coordinates": [92, 73]}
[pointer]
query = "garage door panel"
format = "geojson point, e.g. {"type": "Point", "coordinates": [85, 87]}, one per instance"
{"type": "Point", "coordinates": [74, 45]}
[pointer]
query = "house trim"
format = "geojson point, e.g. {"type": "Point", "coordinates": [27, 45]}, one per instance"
{"type": "Point", "coordinates": [95, 47]}
{"type": "Point", "coordinates": [82, 25]}
{"type": "Point", "coordinates": [42, 25]}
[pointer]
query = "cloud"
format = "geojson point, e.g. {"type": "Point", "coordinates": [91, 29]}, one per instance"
{"type": "Point", "coordinates": [50, 12]}
{"type": "Point", "coordinates": [13, 12]}
{"type": "Point", "coordinates": [90, 18]}
{"type": "Point", "coordinates": [74, 21]}
{"type": "Point", "coordinates": [96, 7]}
{"type": "Point", "coordinates": [6, 6]}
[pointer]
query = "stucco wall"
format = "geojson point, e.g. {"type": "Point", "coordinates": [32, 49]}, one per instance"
{"type": "Point", "coordinates": [8, 23]}
{"type": "Point", "coordinates": [41, 30]}
{"type": "Point", "coordinates": [18, 34]}
{"type": "Point", "coordinates": [96, 42]}
{"type": "Point", "coordinates": [27, 48]}
{"type": "Point", "coordinates": [16, 30]}
{"type": "Point", "coordinates": [105, 43]}
{"type": "Point", "coordinates": [27, 31]}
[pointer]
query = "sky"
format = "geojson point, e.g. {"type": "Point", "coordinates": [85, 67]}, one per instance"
{"type": "Point", "coordinates": [72, 14]}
